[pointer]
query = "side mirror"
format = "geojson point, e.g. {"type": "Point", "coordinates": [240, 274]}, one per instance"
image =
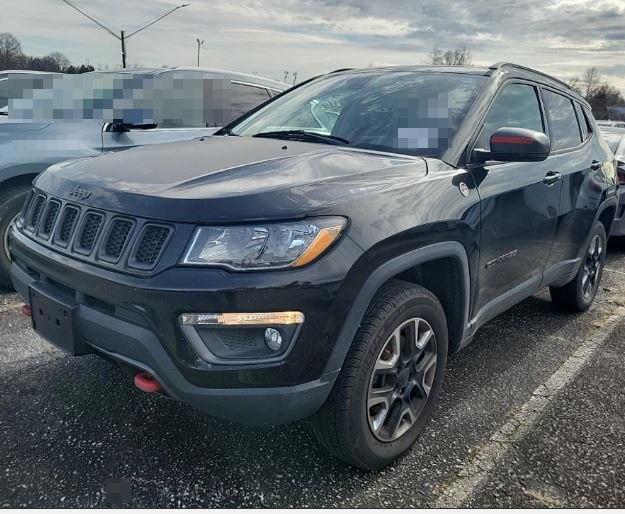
{"type": "Point", "coordinates": [116, 126]}
{"type": "Point", "coordinates": [120, 126]}
{"type": "Point", "coordinates": [510, 144]}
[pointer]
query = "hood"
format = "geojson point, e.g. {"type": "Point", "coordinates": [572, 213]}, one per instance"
{"type": "Point", "coordinates": [228, 178]}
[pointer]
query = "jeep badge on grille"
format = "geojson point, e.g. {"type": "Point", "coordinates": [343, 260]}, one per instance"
{"type": "Point", "coordinates": [80, 193]}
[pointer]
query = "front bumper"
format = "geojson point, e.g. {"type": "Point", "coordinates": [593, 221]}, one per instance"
{"type": "Point", "coordinates": [134, 320]}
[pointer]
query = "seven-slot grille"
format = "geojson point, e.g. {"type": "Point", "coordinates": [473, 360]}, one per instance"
{"type": "Point", "coordinates": [49, 218]}
{"type": "Point", "coordinates": [98, 235]}
{"type": "Point", "coordinates": [152, 239]}
{"type": "Point", "coordinates": [34, 211]}
{"type": "Point", "coordinates": [88, 232]}
{"type": "Point", "coordinates": [115, 240]}
{"type": "Point", "coordinates": [65, 231]}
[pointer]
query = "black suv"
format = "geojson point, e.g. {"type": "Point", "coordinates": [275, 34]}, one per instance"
{"type": "Point", "coordinates": [322, 255]}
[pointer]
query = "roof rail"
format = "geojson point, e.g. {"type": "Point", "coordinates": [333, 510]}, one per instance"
{"type": "Point", "coordinates": [340, 70]}
{"type": "Point", "coordinates": [499, 65]}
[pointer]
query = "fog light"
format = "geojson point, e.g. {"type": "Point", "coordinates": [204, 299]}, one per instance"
{"type": "Point", "coordinates": [273, 339]}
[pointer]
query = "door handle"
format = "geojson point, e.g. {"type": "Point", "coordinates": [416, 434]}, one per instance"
{"type": "Point", "coordinates": [595, 165]}
{"type": "Point", "coordinates": [551, 178]}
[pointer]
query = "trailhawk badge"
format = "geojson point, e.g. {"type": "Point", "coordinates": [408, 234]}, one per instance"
{"type": "Point", "coordinates": [464, 189]}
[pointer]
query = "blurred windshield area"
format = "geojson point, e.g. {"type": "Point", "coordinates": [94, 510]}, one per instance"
{"type": "Point", "coordinates": [410, 112]}
{"type": "Point", "coordinates": [170, 99]}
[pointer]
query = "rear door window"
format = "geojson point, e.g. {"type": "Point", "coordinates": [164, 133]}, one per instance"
{"type": "Point", "coordinates": [565, 131]}
{"type": "Point", "coordinates": [516, 106]}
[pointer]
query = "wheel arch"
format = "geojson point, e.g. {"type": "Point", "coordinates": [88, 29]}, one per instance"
{"type": "Point", "coordinates": [606, 217]}
{"type": "Point", "coordinates": [420, 266]}
{"type": "Point", "coordinates": [21, 174]}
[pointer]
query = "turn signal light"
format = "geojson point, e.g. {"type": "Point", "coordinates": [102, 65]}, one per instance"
{"type": "Point", "coordinates": [244, 318]}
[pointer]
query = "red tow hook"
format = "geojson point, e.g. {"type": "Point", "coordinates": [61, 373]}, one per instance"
{"type": "Point", "coordinates": [146, 382]}
{"type": "Point", "coordinates": [26, 310]}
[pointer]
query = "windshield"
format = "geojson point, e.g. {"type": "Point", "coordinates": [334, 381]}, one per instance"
{"type": "Point", "coordinates": [415, 113]}
{"type": "Point", "coordinates": [613, 141]}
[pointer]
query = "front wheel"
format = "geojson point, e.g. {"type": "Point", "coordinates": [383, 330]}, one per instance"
{"type": "Point", "coordinates": [579, 293]}
{"type": "Point", "coordinates": [392, 374]}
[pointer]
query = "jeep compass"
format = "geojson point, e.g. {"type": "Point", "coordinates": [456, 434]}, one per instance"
{"type": "Point", "coordinates": [322, 255]}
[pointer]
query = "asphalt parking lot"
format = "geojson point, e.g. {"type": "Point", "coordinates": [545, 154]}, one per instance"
{"type": "Point", "coordinates": [532, 414]}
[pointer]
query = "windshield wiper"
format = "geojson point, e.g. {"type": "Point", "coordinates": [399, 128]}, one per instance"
{"type": "Point", "coordinates": [303, 135]}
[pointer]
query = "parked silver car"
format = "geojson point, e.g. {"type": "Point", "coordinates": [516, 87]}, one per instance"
{"type": "Point", "coordinates": [51, 118]}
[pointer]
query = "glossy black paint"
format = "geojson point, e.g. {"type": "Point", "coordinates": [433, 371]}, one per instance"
{"type": "Point", "coordinates": [513, 222]}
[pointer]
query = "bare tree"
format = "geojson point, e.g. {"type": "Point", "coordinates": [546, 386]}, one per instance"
{"type": "Point", "coordinates": [460, 56]}
{"type": "Point", "coordinates": [11, 55]}
{"type": "Point", "coordinates": [435, 56]}
{"type": "Point", "coordinates": [576, 85]}
{"type": "Point", "coordinates": [591, 81]}
{"type": "Point", "coordinates": [61, 60]}
{"type": "Point", "coordinates": [607, 102]}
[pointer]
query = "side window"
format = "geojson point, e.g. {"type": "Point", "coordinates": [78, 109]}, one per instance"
{"type": "Point", "coordinates": [565, 131]}
{"type": "Point", "coordinates": [517, 106]}
{"type": "Point", "coordinates": [245, 98]}
{"type": "Point", "coordinates": [589, 123]}
{"type": "Point", "coordinates": [581, 120]}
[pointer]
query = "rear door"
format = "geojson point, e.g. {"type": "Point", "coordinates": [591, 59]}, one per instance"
{"type": "Point", "coordinates": [519, 205]}
{"type": "Point", "coordinates": [571, 145]}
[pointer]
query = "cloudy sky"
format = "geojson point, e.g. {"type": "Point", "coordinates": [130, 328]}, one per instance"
{"type": "Point", "coordinates": [561, 37]}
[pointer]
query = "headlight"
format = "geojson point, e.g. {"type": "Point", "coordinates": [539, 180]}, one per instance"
{"type": "Point", "coordinates": [263, 245]}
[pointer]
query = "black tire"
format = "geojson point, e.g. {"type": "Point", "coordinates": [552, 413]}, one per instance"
{"type": "Point", "coordinates": [11, 202]}
{"type": "Point", "coordinates": [577, 295]}
{"type": "Point", "coordinates": [342, 425]}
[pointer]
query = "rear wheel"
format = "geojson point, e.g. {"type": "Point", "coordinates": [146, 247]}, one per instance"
{"type": "Point", "coordinates": [11, 202]}
{"type": "Point", "coordinates": [392, 374]}
{"type": "Point", "coordinates": [579, 293]}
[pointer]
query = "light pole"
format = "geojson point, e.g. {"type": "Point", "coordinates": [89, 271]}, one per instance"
{"type": "Point", "coordinates": [199, 44]}
{"type": "Point", "coordinates": [122, 36]}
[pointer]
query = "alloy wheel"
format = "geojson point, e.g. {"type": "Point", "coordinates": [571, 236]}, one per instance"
{"type": "Point", "coordinates": [402, 379]}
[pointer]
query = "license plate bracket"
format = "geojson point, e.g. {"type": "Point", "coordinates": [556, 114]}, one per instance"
{"type": "Point", "coordinates": [53, 319]}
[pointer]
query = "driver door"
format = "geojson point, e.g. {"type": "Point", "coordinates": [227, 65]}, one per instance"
{"type": "Point", "coordinates": [519, 208]}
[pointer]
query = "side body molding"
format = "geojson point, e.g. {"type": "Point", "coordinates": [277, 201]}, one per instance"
{"type": "Point", "coordinates": [449, 249]}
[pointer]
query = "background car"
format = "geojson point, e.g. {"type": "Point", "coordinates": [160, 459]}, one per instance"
{"type": "Point", "coordinates": [608, 123]}
{"type": "Point", "coordinates": [147, 106]}
{"type": "Point", "coordinates": [615, 137]}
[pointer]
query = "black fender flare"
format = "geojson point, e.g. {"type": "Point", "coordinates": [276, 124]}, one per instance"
{"type": "Point", "coordinates": [386, 271]}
